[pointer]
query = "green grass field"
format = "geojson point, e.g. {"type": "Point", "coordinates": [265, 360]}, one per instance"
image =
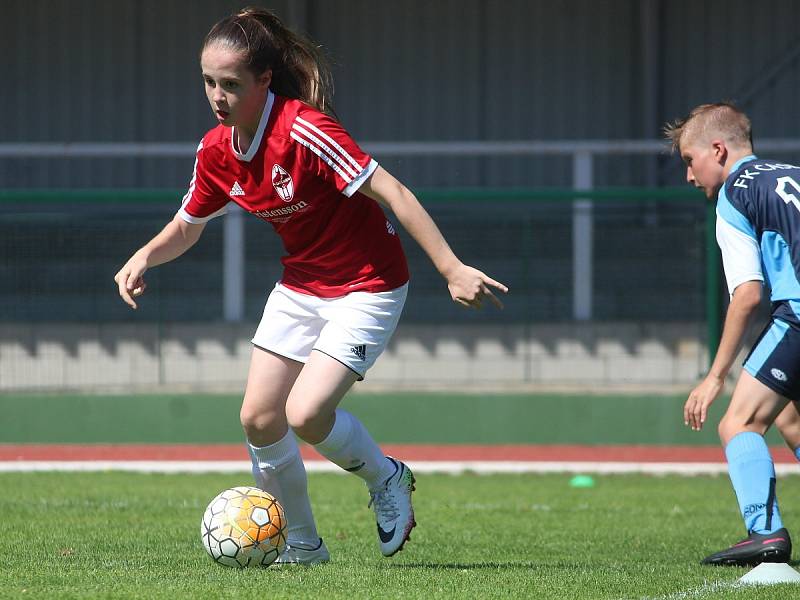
{"type": "Point", "coordinates": [115, 535]}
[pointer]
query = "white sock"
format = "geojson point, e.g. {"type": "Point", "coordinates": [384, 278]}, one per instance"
{"type": "Point", "coordinates": [278, 470]}
{"type": "Point", "coordinates": [351, 447]}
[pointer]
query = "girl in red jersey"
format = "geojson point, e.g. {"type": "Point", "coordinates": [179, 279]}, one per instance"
{"type": "Point", "coordinates": [280, 154]}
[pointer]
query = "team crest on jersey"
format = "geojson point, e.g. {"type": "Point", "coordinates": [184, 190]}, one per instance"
{"type": "Point", "coordinates": [282, 182]}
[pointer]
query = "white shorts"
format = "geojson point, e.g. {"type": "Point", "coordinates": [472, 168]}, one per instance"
{"type": "Point", "coordinates": [354, 329]}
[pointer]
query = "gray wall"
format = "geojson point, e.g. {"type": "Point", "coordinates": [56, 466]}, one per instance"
{"type": "Point", "coordinates": [181, 357]}
{"type": "Point", "coordinates": [127, 70]}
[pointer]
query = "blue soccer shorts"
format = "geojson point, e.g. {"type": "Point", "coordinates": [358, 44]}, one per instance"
{"type": "Point", "coordinates": [775, 359]}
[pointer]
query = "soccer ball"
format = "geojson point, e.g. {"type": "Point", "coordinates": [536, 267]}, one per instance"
{"type": "Point", "coordinates": [244, 526]}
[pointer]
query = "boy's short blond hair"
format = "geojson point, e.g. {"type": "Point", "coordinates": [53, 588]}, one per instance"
{"type": "Point", "coordinates": [708, 121]}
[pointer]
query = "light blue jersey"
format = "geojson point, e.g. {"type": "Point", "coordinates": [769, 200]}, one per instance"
{"type": "Point", "coordinates": [758, 228]}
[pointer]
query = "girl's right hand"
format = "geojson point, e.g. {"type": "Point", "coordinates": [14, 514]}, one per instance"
{"type": "Point", "coordinates": [130, 280]}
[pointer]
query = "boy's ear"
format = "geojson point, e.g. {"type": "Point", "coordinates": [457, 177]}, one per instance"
{"type": "Point", "coordinates": [720, 150]}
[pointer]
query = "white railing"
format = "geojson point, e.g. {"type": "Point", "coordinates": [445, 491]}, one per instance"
{"type": "Point", "coordinates": [581, 151]}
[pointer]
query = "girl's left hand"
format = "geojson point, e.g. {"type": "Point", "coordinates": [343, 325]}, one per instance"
{"type": "Point", "coordinates": [469, 287]}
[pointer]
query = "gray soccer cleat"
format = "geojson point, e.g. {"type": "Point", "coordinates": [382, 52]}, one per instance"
{"type": "Point", "coordinates": [393, 511]}
{"type": "Point", "coordinates": [303, 554]}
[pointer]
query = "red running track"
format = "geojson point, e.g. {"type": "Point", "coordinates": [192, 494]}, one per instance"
{"type": "Point", "coordinates": [410, 452]}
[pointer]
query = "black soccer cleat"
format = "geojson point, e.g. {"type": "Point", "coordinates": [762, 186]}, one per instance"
{"type": "Point", "coordinates": [757, 548]}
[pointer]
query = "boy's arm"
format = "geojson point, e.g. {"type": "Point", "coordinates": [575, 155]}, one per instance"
{"type": "Point", "coordinates": [744, 303]}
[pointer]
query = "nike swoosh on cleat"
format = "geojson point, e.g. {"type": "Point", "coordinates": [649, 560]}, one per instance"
{"type": "Point", "coordinates": [386, 536]}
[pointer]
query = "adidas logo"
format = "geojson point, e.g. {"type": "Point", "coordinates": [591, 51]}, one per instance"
{"type": "Point", "coordinates": [236, 190]}
{"type": "Point", "coordinates": [360, 351]}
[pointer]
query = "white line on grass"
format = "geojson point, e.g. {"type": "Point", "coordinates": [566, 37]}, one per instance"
{"type": "Point", "coordinates": [171, 466]}
{"type": "Point", "coordinates": [712, 587]}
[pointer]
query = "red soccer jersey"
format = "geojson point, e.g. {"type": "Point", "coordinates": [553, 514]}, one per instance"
{"type": "Point", "coordinates": [301, 174]}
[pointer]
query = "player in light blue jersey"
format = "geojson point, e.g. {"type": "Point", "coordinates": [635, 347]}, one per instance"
{"type": "Point", "coordinates": [758, 231]}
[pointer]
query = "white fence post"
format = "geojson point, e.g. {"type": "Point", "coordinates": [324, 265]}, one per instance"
{"type": "Point", "coordinates": [582, 238]}
{"type": "Point", "coordinates": [233, 265]}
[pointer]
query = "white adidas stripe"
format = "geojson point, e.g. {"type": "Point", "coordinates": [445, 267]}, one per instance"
{"type": "Point", "coordinates": [193, 182]}
{"type": "Point", "coordinates": [322, 155]}
{"type": "Point", "coordinates": [327, 149]}
{"type": "Point", "coordinates": [332, 142]}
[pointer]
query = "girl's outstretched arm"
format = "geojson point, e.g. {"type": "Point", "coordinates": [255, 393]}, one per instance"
{"type": "Point", "coordinates": [175, 239]}
{"type": "Point", "coordinates": [468, 286]}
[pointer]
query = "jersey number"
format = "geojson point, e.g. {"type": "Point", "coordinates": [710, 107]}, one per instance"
{"type": "Point", "coordinates": [780, 189]}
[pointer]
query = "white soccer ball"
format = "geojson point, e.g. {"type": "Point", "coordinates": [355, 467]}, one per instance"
{"type": "Point", "coordinates": [244, 526]}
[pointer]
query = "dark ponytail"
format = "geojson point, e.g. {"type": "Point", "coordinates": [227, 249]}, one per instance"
{"type": "Point", "coordinates": [299, 68]}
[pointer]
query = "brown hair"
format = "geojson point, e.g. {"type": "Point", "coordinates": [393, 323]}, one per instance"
{"type": "Point", "coordinates": [299, 68]}
{"type": "Point", "coordinates": [721, 119]}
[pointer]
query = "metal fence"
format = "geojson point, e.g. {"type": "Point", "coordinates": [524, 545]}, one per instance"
{"type": "Point", "coordinates": [594, 255]}
{"type": "Point", "coordinates": [648, 251]}
{"type": "Point", "coordinates": [584, 278]}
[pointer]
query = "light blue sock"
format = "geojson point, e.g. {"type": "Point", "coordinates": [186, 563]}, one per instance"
{"type": "Point", "coordinates": [753, 477]}
{"type": "Point", "coordinates": [797, 452]}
